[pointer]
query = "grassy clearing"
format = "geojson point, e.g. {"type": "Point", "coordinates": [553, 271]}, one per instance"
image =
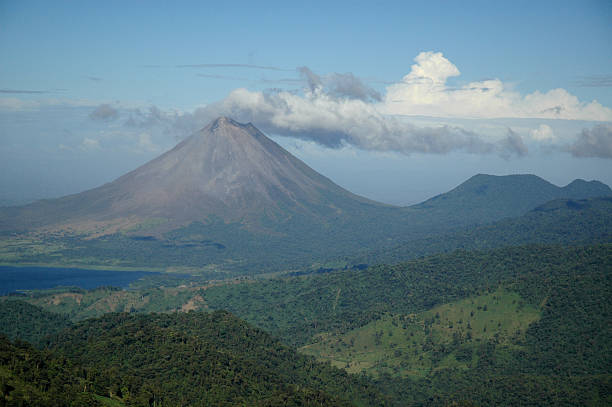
{"type": "Point", "coordinates": [14, 249]}
{"type": "Point", "coordinates": [92, 303]}
{"type": "Point", "coordinates": [416, 345]}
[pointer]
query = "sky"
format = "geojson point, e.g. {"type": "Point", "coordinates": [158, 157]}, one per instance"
{"type": "Point", "coordinates": [395, 101]}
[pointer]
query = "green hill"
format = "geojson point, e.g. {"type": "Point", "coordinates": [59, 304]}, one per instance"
{"type": "Point", "coordinates": [31, 377]}
{"type": "Point", "coordinates": [487, 198]}
{"type": "Point", "coordinates": [78, 304]}
{"type": "Point", "coordinates": [514, 326]}
{"type": "Point", "coordinates": [172, 359]}
{"type": "Point", "coordinates": [202, 359]}
{"type": "Point", "coordinates": [417, 345]}
{"type": "Point", "coordinates": [297, 308]}
{"type": "Point", "coordinates": [562, 221]}
{"type": "Point", "coordinates": [22, 320]}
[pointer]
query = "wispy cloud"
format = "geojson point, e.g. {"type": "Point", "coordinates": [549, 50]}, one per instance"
{"type": "Point", "coordinates": [24, 91]}
{"type": "Point", "coordinates": [291, 81]}
{"type": "Point", "coordinates": [224, 77]}
{"type": "Point", "coordinates": [104, 112]}
{"type": "Point", "coordinates": [333, 122]}
{"type": "Point", "coordinates": [94, 78]}
{"type": "Point", "coordinates": [594, 81]}
{"type": "Point", "coordinates": [248, 66]}
{"type": "Point", "coordinates": [543, 133]}
{"type": "Point", "coordinates": [337, 110]}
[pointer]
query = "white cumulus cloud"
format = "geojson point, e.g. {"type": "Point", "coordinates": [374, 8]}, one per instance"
{"type": "Point", "coordinates": [543, 133]}
{"type": "Point", "coordinates": [424, 91]}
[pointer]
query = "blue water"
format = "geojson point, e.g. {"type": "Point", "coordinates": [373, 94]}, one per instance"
{"type": "Point", "coordinates": [36, 278]}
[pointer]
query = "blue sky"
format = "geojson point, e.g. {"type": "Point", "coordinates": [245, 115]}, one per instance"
{"type": "Point", "coordinates": [394, 100]}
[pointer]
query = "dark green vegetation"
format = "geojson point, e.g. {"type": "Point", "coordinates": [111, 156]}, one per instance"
{"type": "Point", "coordinates": [524, 325]}
{"type": "Point", "coordinates": [298, 308]}
{"type": "Point", "coordinates": [514, 326]}
{"type": "Point", "coordinates": [205, 359]}
{"type": "Point", "coordinates": [559, 222]}
{"type": "Point", "coordinates": [22, 320]}
{"type": "Point", "coordinates": [174, 359]}
{"type": "Point", "coordinates": [487, 198]}
{"type": "Point", "coordinates": [30, 377]}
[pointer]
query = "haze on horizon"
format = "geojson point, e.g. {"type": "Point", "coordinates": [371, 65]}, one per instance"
{"type": "Point", "coordinates": [395, 102]}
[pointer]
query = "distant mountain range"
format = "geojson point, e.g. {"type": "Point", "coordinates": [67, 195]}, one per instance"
{"type": "Point", "coordinates": [561, 221]}
{"type": "Point", "coordinates": [230, 196]}
{"type": "Point", "coordinates": [486, 198]}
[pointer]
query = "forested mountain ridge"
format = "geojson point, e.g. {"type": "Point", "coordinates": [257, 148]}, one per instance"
{"type": "Point", "coordinates": [190, 359]}
{"type": "Point", "coordinates": [487, 198]}
{"type": "Point", "coordinates": [297, 308]}
{"type": "Point", "coordinates": [31, 377]}
{"type": "Point", "coordinates": [495, 327]}
{"type": "Point", "coordinates": [22, 320]}
{"type": "Point", "coordinates": [203, 359]}
{"type": "Point", "coordinates": [513, 326]}
{"type": "Point", "coordinates": [561, 222]}
{"type": "Point", "coordinates": [386, 235]}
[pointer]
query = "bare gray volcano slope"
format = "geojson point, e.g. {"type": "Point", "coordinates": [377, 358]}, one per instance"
{"type": "Point", "coordinates": [227, 169]}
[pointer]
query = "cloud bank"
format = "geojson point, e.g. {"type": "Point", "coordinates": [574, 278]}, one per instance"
{"type": "Point", "coordinates": [424, 91]}
{"type": "Point", "coordinates": [339, 109]}
{"type": "Point", "coordinates": [104, 112]}
{"type": "Point", "coordinates": [338, 85]}
{"type": "Point", "coordinates": [595, 142]}
{"type": "Point", "coordinates": [334, 122]}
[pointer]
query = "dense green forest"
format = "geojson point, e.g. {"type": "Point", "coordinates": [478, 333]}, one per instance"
{"type": "Point", "coordinates": [559, 222]}
{"type": "Point", "coordinates": [298, 308]}
{"type": "Point", "coordinates": [31, 377]}
{"type": "Point", "coordinates": [486, 198]}
{"type": "Point", "coordinates": [513, 326]}
{"type": "Point", "coordinates": [174, 359]}
{"type": "Point", "coordinates": [22, 320]}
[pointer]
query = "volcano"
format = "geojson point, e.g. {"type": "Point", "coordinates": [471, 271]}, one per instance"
{"type": "Point", "coordinates": [228, 170]}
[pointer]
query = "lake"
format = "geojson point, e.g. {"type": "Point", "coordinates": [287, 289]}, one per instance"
{"type": "Point", "coordinates": [36, 278]}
